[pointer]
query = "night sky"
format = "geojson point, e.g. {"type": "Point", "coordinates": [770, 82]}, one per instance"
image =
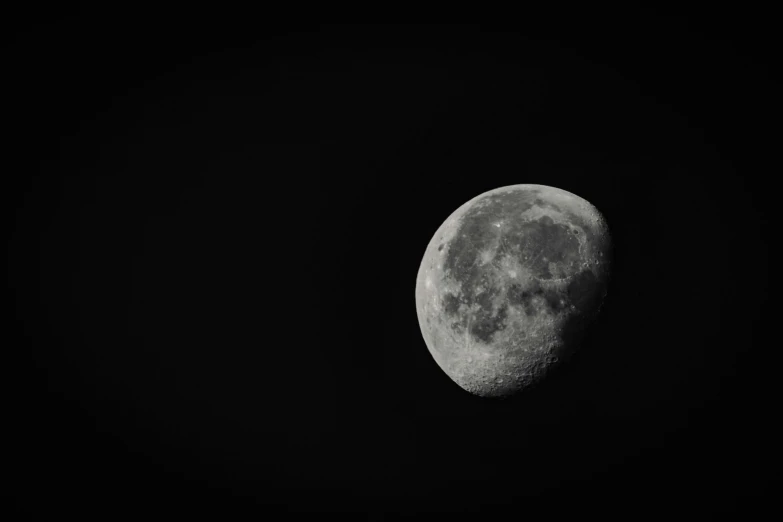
{"type": "Point", "coordinates": [214, 229]}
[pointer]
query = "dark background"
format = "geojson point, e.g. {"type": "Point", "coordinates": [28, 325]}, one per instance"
{"type": "Point", "coordinates": [214, 232]}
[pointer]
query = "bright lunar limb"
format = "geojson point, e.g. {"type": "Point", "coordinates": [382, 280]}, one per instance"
{"type": "Point", "coordinates": [508, 284]}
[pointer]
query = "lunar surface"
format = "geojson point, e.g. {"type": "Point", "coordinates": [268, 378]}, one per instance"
{"type": "Point", "coordinates": [508, 284]}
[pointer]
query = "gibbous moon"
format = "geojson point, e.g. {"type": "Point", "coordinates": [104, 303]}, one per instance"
{"type": "Point", "coordinates": [508, 284]}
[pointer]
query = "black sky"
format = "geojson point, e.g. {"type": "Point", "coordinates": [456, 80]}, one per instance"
{"type": "Point", "coordinates": [214, 232]}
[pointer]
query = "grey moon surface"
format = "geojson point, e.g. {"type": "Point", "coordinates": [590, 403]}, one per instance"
{"type": "Point", "coordinates": [508, 285]}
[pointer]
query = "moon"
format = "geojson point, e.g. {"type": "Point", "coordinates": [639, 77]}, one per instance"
{"type": "Point", "coordinates": [508, 285]}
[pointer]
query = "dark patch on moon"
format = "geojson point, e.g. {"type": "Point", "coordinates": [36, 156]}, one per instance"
{"type": "Point", "coordinates": [555, 301]}
{"type": "Point", "coordinates": [543, 241]}
{"type": "Point", "coordinates": [462, 265]}
{"type": "Point", "coordinates": [535, 243]}
{"type": "Point", "coordinates": [545, 204]}
{"type": "Point", "coordinates": [450, 304]}
{"type": "Point", "coordinates": [478, 231]}
{"type": "Point", "coordinates": [517, 295]}
{"type": "Point", "coordinates": [440, 247]}
{"type": "Point", "coordinates": [582, 290]}
{"type": "Point", "coordinates": [487, 324]}
{"type": "Point", "coordinates": [522, 297]}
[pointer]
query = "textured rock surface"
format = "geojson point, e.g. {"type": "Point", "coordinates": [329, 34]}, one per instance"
{"type": "Point", "coordinates": [509, 282]}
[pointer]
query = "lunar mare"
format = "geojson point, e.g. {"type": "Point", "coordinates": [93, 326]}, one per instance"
{"type": "Point", "coordinates": [508, 284]}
